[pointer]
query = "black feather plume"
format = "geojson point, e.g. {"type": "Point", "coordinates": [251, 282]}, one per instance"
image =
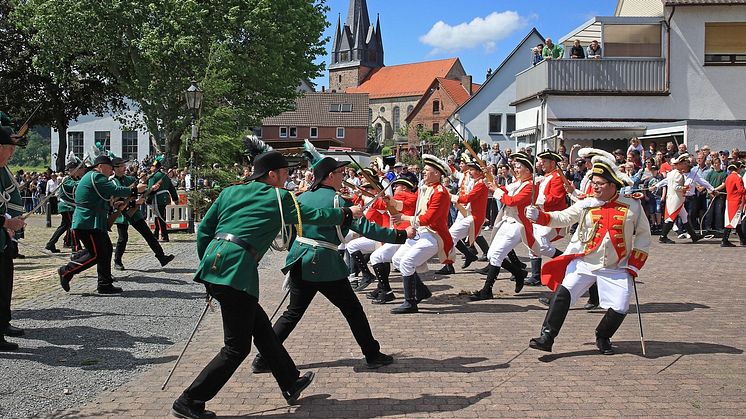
{"type": "Point", "coordinates": [255, 147]}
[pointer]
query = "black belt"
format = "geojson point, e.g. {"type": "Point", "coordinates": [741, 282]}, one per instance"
{"type": "Point", "coordinates": [237, 240]}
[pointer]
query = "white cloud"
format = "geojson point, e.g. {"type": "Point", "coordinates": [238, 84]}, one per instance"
{"type": "Point", "coordinates": [480, 31]}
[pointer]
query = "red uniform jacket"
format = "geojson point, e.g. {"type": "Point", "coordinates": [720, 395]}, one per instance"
{"type": "Point", "coordinates": [478, 200]}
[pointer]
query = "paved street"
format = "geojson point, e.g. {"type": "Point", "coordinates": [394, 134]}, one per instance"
{"type": "Point", "coordinates": [453, 359]}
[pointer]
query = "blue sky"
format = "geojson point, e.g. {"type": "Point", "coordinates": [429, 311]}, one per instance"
{"type": "Point", "coordinates": [479, 32]}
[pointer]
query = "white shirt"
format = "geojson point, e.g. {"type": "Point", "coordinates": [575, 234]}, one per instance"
{"type": "Point", "coordinates": [51, 186]}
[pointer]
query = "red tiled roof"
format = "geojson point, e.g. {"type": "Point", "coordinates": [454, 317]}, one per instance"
{"type": "Point", "coordinates": [403, 80]}
{"type": "Point", "coordinates": [455, 90]}
{"type": "Point", "coordinates": [312, 109]}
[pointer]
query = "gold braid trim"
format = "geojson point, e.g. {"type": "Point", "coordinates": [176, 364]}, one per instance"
{"type": "Point", "coordinates": [299, 226]}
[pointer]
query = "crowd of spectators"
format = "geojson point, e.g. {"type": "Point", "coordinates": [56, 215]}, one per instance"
{"type": "Point", "coordinates": [551, 51]}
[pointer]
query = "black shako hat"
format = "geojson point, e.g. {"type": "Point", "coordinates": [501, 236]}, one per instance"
{"type": "Point", "coordinates": [117, 161]}
{"type": "Point", "coordinates": [266, 162]}
{"type": "Point", "coordinates": [322, 169]}
{"type": "Point", "coordinates": [102, 160]}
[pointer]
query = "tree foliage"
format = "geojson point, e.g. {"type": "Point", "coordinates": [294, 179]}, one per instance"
{"type": "Point", "coordinates": [35, 154]}
{"type": "Point", "coordinates": [247, 55]}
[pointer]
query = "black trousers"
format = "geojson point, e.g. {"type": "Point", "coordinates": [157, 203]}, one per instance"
{"type": "Point", "coordinates": [141, 227]}
{"type": "Point", "coordinates": [160, 223]}
{"type": "Point", "coordinates": [243, 318]}
{"type": "Point", "coordinates": [340, 294]}
{"type": "Point", "coordinates": [98, 252]}
{"type": "Point", "coordinates": [6, 283]}
{"type": "Point", "coordinates": [66, 224]}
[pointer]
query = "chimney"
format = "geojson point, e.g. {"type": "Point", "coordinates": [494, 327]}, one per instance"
{"type": "Point", "coordinates": [489, 73]}
{"type": "Point", "coordinates": [466, 82]}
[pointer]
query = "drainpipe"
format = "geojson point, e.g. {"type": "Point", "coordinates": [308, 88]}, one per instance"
{"type": "Point", "coordinates": [667, 75]}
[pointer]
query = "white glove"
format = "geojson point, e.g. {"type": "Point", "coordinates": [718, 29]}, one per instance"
{"type": "Point", "coordinates": [532, 213]}
{"type": "Point", "coordinates": [498, 193]}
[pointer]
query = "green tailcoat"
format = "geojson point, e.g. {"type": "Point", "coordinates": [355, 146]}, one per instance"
{"type": "Point", "coordinates": [161, 196]}
{"type": "Point", "coordinates": [10, 203]}
{"type": "Point", "coordinates": [92, 199]}
{"type": "Point", "coordinates": [66, 195]}
{"type": "Point", "coordinates": [250, 212]}
{"type": "Point", "coordinates": [321, 264]}
{"type": "Point", "coordinates": [126, 181]}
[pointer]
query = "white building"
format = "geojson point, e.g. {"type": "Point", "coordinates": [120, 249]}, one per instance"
{"type": "Point", "coordinates": [674, 72]}
{"type": "Point", "coordinates": [84, 132]}
{"type": "Point", "coordinates": [488, 114]}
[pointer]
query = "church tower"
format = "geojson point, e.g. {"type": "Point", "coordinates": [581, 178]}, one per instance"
{"type": "Point", "coordinates": [357, 48]}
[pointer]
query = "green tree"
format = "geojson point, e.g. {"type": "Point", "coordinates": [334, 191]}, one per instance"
{"type": "Point", "coordinates": [32, 78]}
{"type": "Point", "coordinates": [35, 154]}
{"type": "Point", "coordinates": [247, 55]}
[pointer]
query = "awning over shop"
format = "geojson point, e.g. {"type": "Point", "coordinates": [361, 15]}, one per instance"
{"type": "Point", "coordinates": [598, 130]}
{"type": "Point", "coordinates": [525, 132]}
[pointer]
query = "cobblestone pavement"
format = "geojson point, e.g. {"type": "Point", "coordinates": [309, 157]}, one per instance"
{"type": "Point", "coordinates": [455, 358]}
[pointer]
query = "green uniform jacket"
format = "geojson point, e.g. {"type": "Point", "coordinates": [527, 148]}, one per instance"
{"type": "Point", "coordinates": [252, 213]}
{"type": "Point", "coordinates": [126, 181]}
{"type": "Point", "coordinates": [160, 196]}
{"type": "Point", "coordinates": [92, 198]}
{"type": "Point", "coordinates": [13, 206]}
{"type": "Point", "coordinates": [321, 264]}
{"type": "Point", "coordinates": [66, 195]}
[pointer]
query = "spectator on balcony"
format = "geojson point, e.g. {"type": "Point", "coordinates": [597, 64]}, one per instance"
{"type": "Point", "coordinates": [552, 51]}
{"type": "Point", "coordinates": [634, 144]}
{"type": "Point", "coordinates": [577, 51]}
{"type": "Point", "coordinates": [594, 50]}
{"type": "Point", "coordinates": [496, 156]}
{"type": "Point", "coordinates": [681, 150]}
{"type": "Point", "coordinates": [536, 56]}
{"type": "Point", "coordinates": [652, 150]}
{"type": "Point", "coordinates": [620, 156]}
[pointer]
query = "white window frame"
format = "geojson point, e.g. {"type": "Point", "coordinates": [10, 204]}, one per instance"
{"type": "Point", "coordinates": [489, 127]}
{"type": "Point", "coordinates": [286, 132]}
{"type": "Point", "coordinates": [311, 134]}
{"type": "Point", "coordinates": [338, 131]}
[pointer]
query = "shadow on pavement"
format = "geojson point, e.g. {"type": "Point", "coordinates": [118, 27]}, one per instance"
{"type": "Point", "coordinates": [655, 349]}
{"type": "Point", "coordinates": [89, 348]}
{"type": "Point", "coordinates": [152, 280]}
{"type": "Point", "coordinates": [669, 307]}
{"type": "Point", "coordinates": [322, 405]}
{"type": "Point", "coordinates": [411, 365]}
{"type": "Point", "coordinates": [58, 314]}
{"type": "Point", "coordinates": [440, 305]}
{"type": "Point", "coordinates": [165, 269]}
{"type": "Point", "coordinates": [77, 414]}
{"type": "Point", "coordinates": [160, 294]}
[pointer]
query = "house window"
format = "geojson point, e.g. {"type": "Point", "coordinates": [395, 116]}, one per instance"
{"type": "Point", "coordinates": [496, 120]}
{"type": "Point", "coordinates": [129, 145]}
{"type": "Point", "coordinates": [725, 43]}
{"type": "Point", "coordinates": [347, 107]}
{"type": "Point", "coordinates": [632, 40]}
{"type": "Point", "coordinates": [436, 106]}
{"type": "Point", "coordinates": [75, 143]}
{"type": "Point", "coordinates": [293, 132]}
{"type": "Point", "coordinates": [103, 137]}
{"type": "Point", "coordinates": [340, 132]}
{"type": "Point", "coordinates": [283, 132]}
{"type": "Point", "coordinates": [382, 109]}
{"type": "Point", "coordinates": [344, 56]}
{"type": "Point", "coordinates": [409, 109]}
{"type": "Point", "coordinates": [340, 107]}
{"type": "Point", "coordinates": [436, 128]}
{"type": "Point", "coordinates": [396, 118]}
{"type": "Point", "coordinates": [370, 116]}
{"type": "Point", "coordinates": [314, 132]}
{"type": "Point", "coordinates": [257, 132]}
{"type": "Point", "coordinates": [509, 123]}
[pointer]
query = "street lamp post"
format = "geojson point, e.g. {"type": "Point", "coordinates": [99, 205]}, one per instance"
{"type": "Point", "coordinates": [194, 103]}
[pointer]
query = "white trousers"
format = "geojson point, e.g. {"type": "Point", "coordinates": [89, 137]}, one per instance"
{"type": "Point", "coordinates": [506, 238]}
{"type": "Point", "coordinates": [362, 244]}
{"type": "Point", "coordinates": [348, 238]}
{"type": "Point", "coordinates": [460, 228]}
{"type": "Point", "coordinates": [614, 285]}
{"type": "Point", "coordinates": [544, 236]}
{"type": "Point", "coordinates": [414, 254]}
{"type": "Point", "coordinates": [384, 253]}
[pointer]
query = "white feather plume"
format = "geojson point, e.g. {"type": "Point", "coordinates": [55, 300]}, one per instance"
{"type": "Point", "coordinates": [590, 152]}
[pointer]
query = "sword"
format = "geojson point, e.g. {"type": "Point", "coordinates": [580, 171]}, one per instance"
{"type": "Point", "coordinates": [186, 345]}
{"type": "Point", "coordinates": [639, 316]}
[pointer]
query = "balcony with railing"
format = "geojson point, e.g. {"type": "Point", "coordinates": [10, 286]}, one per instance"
{"type": "Point", "coordinates": [623, 76]}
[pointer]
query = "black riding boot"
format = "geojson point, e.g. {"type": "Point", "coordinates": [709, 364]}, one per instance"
{"type": "Point", "coordinates": [741, 233]}
{"type": "Point", "coordinates": [362, 266]}
{"type": "Point", "coordinates": [726, 242]}
{"type": "Point", "coordinates": [469, 256]}
{"type": "Point", "coordinates": [447, 269]}
{"type": "Point", "coordinates": [515, 260]}
{"type": "Point", "coordinates": [482, 243]}
{"type": "Point", "coordinates": [535, 272]}
{"type": "Point", "coordinates": [410, 301]}
{"type": "Point", "coordinates": [422, 292]}
{"type": "Point", "coordinates": [695, 237]}
{"type": "Point", "coordinates": [593, 300]}
{"type": "Point", "coordinates": [486, 292]}
{"type": "Point", "coordinates": [556, 315]}
{"type": "Point", "coordinates": [606, 329]}
{"type": "Point", "coordinates": [384, 294]}
{"type": "Point", "coordinates": [518, 273]}
{"type": "Point", "coordinates": [667, 226]}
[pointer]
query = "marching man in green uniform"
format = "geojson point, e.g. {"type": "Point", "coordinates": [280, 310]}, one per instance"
{"type": "Point", "coordinates": [315, 265]}
{"type": "Point", "coordinates": [91, 225]}
{"type": "Point", "coordinates": [66, 205]}
{"type": "Point", "coordinates": [165, 195]}
{"type": "Point", "coordinates": [233, 236]}
{"type": "Point", "coordinates": [11, 228]}
{"type": "Point", "coordinates": [137, 221]}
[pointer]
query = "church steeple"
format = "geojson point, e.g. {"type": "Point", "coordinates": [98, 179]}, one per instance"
{"type": "Point", "coordinates": [356, 45]}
